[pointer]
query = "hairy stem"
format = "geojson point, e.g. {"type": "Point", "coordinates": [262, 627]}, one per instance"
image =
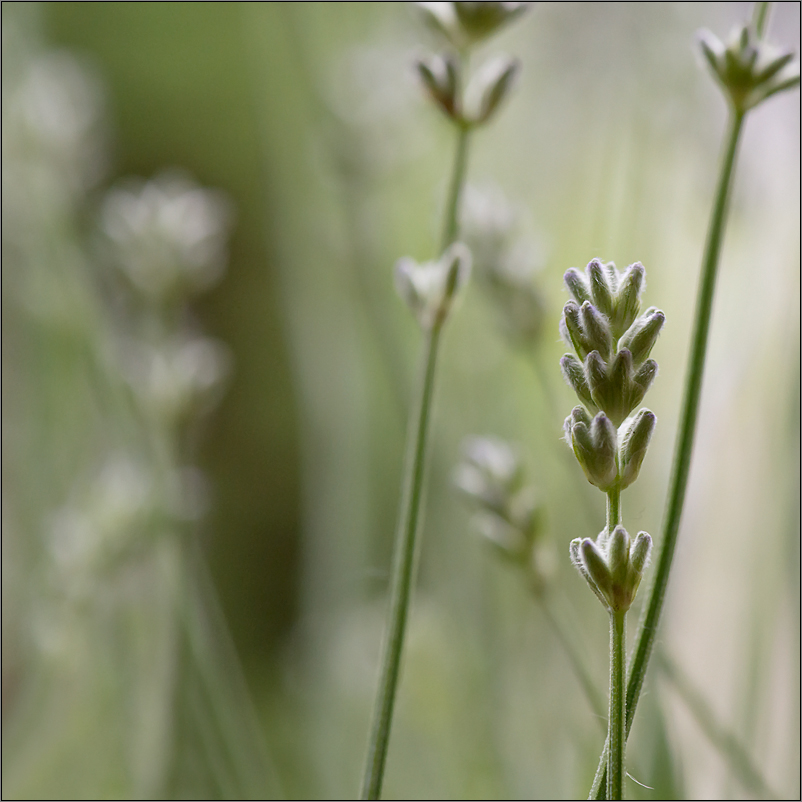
{"type": "Point", "coordinates": [617, 715]}
{"type": "Point", "coordinates": [407, 530]}
{"type": "Point", "coordinates": [687, 428]}
{"type": "Point", "coordinates": [613, 509]}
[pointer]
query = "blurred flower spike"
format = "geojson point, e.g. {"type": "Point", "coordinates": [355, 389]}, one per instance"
{"type": "Point", "coordinates": [613, 565]}
{"type": "Point", "coordinates": [430, 289]}
{"type": "Point", "coordinates": [507, 515]}
{"type": "Point", "coordinates": [748, 69]}
{"type": "Point", "coordinates": [167, 235]}
{"type": "Point", "coordinates": [442, 79]}
{"type": "Point", "coordinates": [468, 103]}
{"type": "Point", "coordinates": [465, 24]}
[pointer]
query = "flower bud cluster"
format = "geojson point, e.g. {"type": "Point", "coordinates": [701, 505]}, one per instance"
{"type": "Point", "coordinates": [613, 565]}
{"type": "Point", "coordinates": [429, 289]}
{"type": "Point", "coordinates": [748, 69]}
{"type": "Point", "coordinates": [442, 78]}
{"type": "Point", "coordinates": [611, 371]}
{"type": "Point", "coordinates": [462, 25]}
{"type": "Point", "coordinates": [507, 514]}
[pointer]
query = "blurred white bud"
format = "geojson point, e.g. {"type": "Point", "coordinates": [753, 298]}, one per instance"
{"type": "Point", "coordinates": [102, 521]}
{"type": "Point", "coordinates": [168, 235]}
{"type": "Point", "coordinates": [182, 376]}
{"type": "Point", "coordinates": [429, 289]}
{"type": "Point", "coordinates": [488, 88]}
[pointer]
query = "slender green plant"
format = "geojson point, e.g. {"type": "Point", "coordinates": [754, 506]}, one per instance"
{"type": "Point", "coordinates": [510, 519]}
{"type": "Point", "coordinates": [610, 374]}
{"type": "Point", "coordinates": [748, 72]}
{"type": "Point", "coordinates": [429, 290]}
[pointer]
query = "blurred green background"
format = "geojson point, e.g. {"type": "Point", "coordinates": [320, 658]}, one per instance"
{"type": "Point", "coordinates": [309, 118]}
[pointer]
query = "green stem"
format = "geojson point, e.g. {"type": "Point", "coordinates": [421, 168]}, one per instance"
{"type": "Point", "coordinates": [613, 509]}
{"type": "Point", "coordinates": [617, 715]}
{"type": "Point", "coordinates": [760, 15]}
{"type": "Point", "coordinates": [451, 226]}
{"type": "Point", "coordinates": [401, 587]}
{"type": "Point", "coordinates": [687, 428]}
{"type": "Point", "coordinates": [407, 531]}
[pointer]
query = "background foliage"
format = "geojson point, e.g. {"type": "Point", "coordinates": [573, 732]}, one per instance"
{"type": "Point", "coordinates": [308, 116]}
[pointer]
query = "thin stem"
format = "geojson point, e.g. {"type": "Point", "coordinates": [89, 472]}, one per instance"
{"type": "Point", "coordinates": [760, 16]}
{"type": "Point", "coordinates": [451, 226]}
{"type": "Point", "coordinates": [687, 428]}
{"type": "Point", "coordinates": [613, 509]}
{"type": "Point", "coordinates": [401, 587]}
{"type": "Point", "coordinates": [407, 530]}
{"type": "Point", "coordinates": [615, 764]}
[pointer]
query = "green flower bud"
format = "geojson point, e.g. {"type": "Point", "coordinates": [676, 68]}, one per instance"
{"type": "Point", "coordinates": [596, 567]}
{"type": "Point", "coordinates": [748, 69]}
{"type": "Point", "coordinates": [595, 447]}
{"type": "Point", "coordinates": [620, 395]}
{"type": "Point", "coordinates": [441, 79]}
{"type": "Point", "coordinates": [489, 87]}
{"type": "Point", "coordinates": [642, 335]}
{"type": "Point", "coordinates": [628, 299]}
{"type": "Point", "coordinates": [596, 374]}
{"type": "Point", "coordinates": [644, 378]}
{"type": "Point", "coordinates": [602, 292]}
{"type": "Point", "coordinates": [575, 550]}
{"type": "Point", "coordinates": [639, 556]}
{"type": "Point", "coordinates": [617, 388]}
{"type": "Point", "coordinates": [571, 330]}
{"type": "Point", "coordinates": [578, 415]}
{"type": "Point", "coordinates": [577, 285]}
{"type": "Point", "coordinates": [637, 432]}
{"type": "Point", "coordinates": [596, 330]}
{"type": "Point", "coordinates": [616, 295]}
{"type": "Point", "coordinates": [574, 374]}
{"type": "Point", "coordinates": [618, 555]}
{"type": "Point", "coordinates": [613, 567]}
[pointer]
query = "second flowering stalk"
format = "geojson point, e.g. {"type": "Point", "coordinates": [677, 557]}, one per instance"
{"type": "Point", "coordinates": [429, 291]}
{"type": "Point", "coordinates": [611, 371]}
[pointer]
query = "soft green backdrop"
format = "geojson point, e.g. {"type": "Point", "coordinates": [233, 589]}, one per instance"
{"type": "Point", "coordinates": [309, 117]}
